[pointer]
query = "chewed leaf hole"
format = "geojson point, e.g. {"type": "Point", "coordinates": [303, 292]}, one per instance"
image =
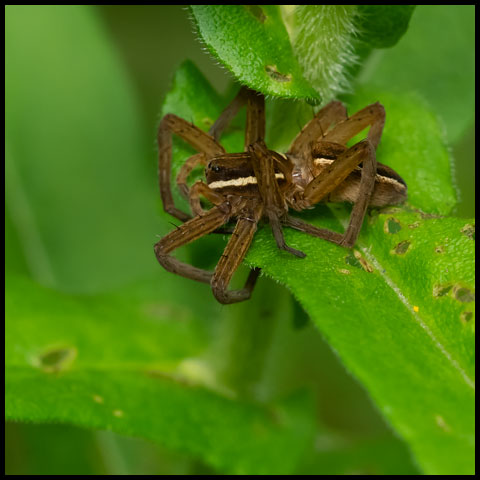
{"type": "Point", "coordinates": [463, 294]}
{"type": "Point", "coordinates": [55, 359]}
{"type": "Point", "coordinates": [356, 260]}
{"type": "Point", "coordinates": [465, 317]}
{"type": "Point", "coordinates": [441, 290]}
{"type": "Point", "coordinates": [458, 292]}
{"type": "Point", "coordinates": [392, 226]}
{"type": "Point", "coordinates": [469, 230]}
{"type": "Point", "coordinates": [401, 248]}
{"type": "Point", "coordinates": [207, 122]}
{"type": "Point", "coordinates": [257, 12]}
{"type": "Point", "coordinates": [276, 75]}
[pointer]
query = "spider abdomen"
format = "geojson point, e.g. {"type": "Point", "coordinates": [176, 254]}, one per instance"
{"type": "Point", "coordinates": [389, 188]}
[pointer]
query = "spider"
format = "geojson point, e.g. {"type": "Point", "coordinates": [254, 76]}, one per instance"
{"type": "Point", "coordinates": [261, 183]}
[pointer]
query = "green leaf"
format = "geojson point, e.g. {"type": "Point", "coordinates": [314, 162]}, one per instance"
{"type": "Point", "coordinates": [382, 26]}
{"type": "Point", "coordinates": [69, 104]}
{"type": "Point", "coordinates": [436, 57]}
{"type": "Point", "coordinates": [47, 450]}
{"type": "Point", "coordinates": [384, 308]}
{"type": "Point", "coordinates": [72, 350]}
{"type": "Point", "coordinates": [252, 42]}
{"type": "Point", "coordinates": [299, 51]}
{"type": "Point", "coordinates": [371, 457]}
{"type": "Point", "coordinates": [399, 312]}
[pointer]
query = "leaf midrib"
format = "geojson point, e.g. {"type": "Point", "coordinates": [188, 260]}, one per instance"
{"type": "Point", "coordinates": [416, 317]}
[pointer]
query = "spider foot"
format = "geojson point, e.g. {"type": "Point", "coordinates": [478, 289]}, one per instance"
{"type": "Point", "coordinates": [347, 242]}
{"type": "Point", "coordinates": [297, 253]}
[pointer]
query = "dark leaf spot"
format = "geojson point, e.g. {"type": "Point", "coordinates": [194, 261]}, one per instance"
{"type": "Point", "coordinates": [463, 294]}
{"type": "Point", "coordinates": [441, 290]}
{"type": "Point", "coordinates": [351, 260]}
{"type": "Point", "coordinates": [56, 359]}
{"type": "Point", "coordinates": [207, 122]}
{"type": "Point", "coordinates": [402, 248]}
{"type": "Point", "coordinates": [257, 12]}
{"type": "Point", "coordinates": [356, 260]}
{"type": "Point", "coordinates": [465, 317]}
{"type": "Point", "coordinates": [469, 231]}
{"type": "Point", "coordinates": [392, 226]}
{"type": "Point", "coordinates": [276, 75]}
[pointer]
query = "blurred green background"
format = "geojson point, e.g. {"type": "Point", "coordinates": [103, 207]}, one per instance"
{"type": "Point", "coordinates": [151, 42]}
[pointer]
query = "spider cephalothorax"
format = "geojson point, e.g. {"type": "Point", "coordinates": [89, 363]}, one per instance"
{"type": "Point", "coordinates": [261, 183]}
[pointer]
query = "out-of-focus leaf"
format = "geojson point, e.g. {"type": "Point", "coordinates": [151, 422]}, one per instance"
{"type": "Point", "coordinates": [14, 256]}
{"type": "Point", "coordinates": [336, 456]}
{"type": "Point", "coordinates": [77, 357]}
{"type": "Point", "coordinates": [436, 57]}
{"type": "Point", "coordinates": [51, 450]}
{"type": "Point", "coordinates": [75, 152]}
{"type": "Point", "coordinates": [382, 26]}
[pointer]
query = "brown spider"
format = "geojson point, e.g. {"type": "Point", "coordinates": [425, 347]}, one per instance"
{"type": "Point", "coordinates": [262, 183]}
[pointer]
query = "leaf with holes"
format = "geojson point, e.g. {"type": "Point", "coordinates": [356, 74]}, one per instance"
{"type": "Point", "coordinates": [252, 42]}
{"type": "Point", "coordinates": [398, 309]}
{"type": "Point", "coordinates": [72, 364]}
{"type": "Point", "coordinates": [297, 51]}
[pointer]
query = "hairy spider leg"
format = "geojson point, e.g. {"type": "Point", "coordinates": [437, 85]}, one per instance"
{"type": "Point", "coordinates": [186, 169]}
{"type": "Point", "coordinates": [228, 114]}
{"type": "Point", "coordinates": [373, 115]}
{"type": "Point", "coordinates": [363, 152]}
{"type": "Point", "coordinates": [263, 167]}
{"type": "Point", "coordinates": [233, 256]}
{"type": "Point", "coordinates": [255, 124]}
{"type": "Point", "coordinates": [275, 208]}
{"type": "Point", "coordinates": [186, 233]}
{"type": "Point", "coordinates": [367, 184]}
{"type": "Point", "coordinates": [321, 186]}
{"type": "Point", "coordinates": [334, 112]}
{"type": "Point", "coordinates": [305, 227]}
{"type": "Point", "coordinates": [197, 138]}
{"type": "Point", "coordinates": [202, 189]}
{"type": "Point", "coordinates": [215, 131]}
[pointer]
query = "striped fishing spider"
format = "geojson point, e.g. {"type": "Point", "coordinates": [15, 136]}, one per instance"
{"type": "Point", "coordinates": [260, 183]}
